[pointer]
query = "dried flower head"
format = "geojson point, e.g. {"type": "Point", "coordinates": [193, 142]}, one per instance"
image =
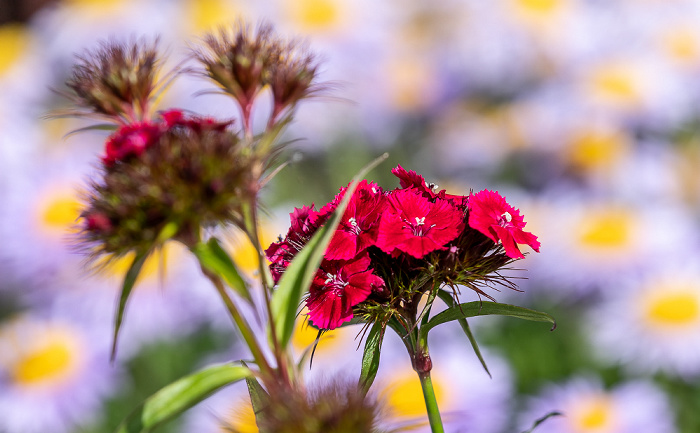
{"type": "Point", "coordinates": [291, 76]}
{"type": "Point", "coordinates": [117, 80]}
{"type": "Point", "coordinates": [237, 59]}
{"type": "Point", "coordinates": [335, 407]}
{"type": "Point", "coordinates": [242, 61]}
{"type": "Point", "coordinates": [187, 171]}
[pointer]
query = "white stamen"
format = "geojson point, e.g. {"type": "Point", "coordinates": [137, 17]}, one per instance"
{"type": "Point", "coordinates": [420, 221]}
{"type": "Point", "coordinates": [353, 221]}
{"type": "Point", "coordinates": [507, 216]}
{"type": "Point", "coordinates": [374, 190]}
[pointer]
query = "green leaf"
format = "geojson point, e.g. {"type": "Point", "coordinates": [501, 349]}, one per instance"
{"type": "Point", "coordinates": [543, 419]}
{"type": "Point", "coordinates": [215, 259]}
{"type": "Point", "coordinates": [97, 127]}
{"type": "Point", "coordinates": [298, 276]}
{"type": "Point", "coordinates": [129, 280]}
{"type": "Point", "coordinates": [370, 358]}
{"type": "Point", "coordinates": [181, 395]}
{"type": "Point", "coordinates": [480, 308]}
{"type": "Point", "coordinates": [449, 300]}
{"type": "Point", "coordinates": [258, 398]}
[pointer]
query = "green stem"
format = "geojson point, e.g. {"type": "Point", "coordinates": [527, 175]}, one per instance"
{"type": "Point", "coordinates": [431, 403]}
{"type": "Point", "coordinates": [250, 219]}
{"type": "Point", "coordinates": [242, 326]}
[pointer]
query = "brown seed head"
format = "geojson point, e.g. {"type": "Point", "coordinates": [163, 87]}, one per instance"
{"type": "Point", "coordinates": [116, 80]}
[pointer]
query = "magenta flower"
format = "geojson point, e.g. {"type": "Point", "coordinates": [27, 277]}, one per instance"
{"type": "Point", "coordinates": [411, 179]}
{"type": "Point", "coordinates": [359, 227]}
{"type": "Point", "coordinates": [339, 286]}
{"type": "Point", "coordinates": [415, 225]}
{"type": "Point", "coordinates": [304, 223]}
{"type": "Point", "coordinates": [130, 140]}
{"type": "Point", "coordinates": [491, 215]}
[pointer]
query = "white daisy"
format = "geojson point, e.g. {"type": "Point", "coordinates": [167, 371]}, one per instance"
{"type": "Point", "coordinates": [651, 323]}
{"type": "Point", "coordinates": [54, 375]}
{"type": "Point", "coordinates": [592, 241]}
{"type": "Point", "coordinates": [587, 407]}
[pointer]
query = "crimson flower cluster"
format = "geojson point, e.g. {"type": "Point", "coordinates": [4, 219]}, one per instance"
{"type": "Point", "coordinates": [133, 139]}
{"type": "Point", "coordinates": [393, 246]}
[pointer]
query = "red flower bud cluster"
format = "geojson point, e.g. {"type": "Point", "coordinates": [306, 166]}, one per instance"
{"type": "Point", "coordinates": [388, 240]}
{"type": "Point", "coordinates": [134, 138]}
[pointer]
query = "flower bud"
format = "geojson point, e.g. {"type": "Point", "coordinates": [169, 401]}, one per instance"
{"type": "Point", "coordinates": [116, 80]}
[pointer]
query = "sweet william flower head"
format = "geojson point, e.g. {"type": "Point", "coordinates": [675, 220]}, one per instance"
{"type": "Point", "coordinates": [131, 139]}
{"type": "Point", "coordinates": [359, 228]}
{"type": "Point", "coordinates": [414, 225]}
{"type": "Point", "coordinates": [411, 179]}
{"type": "Point", "coordinates": [337, 288]}
{"type": "Point", "coordinates": [304, 223]}
{"type": "Point", "coordinates": [490, 214]}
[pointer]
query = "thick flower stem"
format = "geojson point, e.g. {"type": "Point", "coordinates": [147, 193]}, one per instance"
{"type": "Point", "coordinates": [431, 403]}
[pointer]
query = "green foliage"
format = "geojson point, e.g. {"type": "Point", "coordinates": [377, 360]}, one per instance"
{"type": "Point", "coordinates": [449, 300]}
{"type": "Point", "coordinates": [215, 259]}
{"type": "Point", "coordinates": [129, 281]}
{"type": "Point", "coordinates": [481, 308]}
{"type": "Point", "coordinates": [181, 395]}
{"type": "Point", "coordinates": [371, 355]}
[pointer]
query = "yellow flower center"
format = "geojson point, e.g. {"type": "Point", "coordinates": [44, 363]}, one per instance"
{"type": "Point", "coordinates": [45, 364]}
{"type": "Point", "coordinates": [616, 83]}
{"type": "Point", "coordinates": [240, 419]}
{"type": "Point", "coordinates": [60, 213]}
{"type": "Point", "coordinates": [315, 15]}
{"type": "Point", "coordinates": [207, 15]}
{"type": "Point", "coordinates": [156, 263]}
{"type": "Point", "coordinates": [595, 415]}
{"type": "Point", "coordinates": [404, 396]}
{"type": "Point", "coordinates": [590, 149]}
{"type": "Point", "coordinates": [539, 6]}
{"type": "Point", "coordinates": [13, 41]}
{"type": "Point", "coordinates": [606, 230]}
{"type": "Point", "coordinates": [410, 83]}
{"type": "Point", "coordinates": [676, 309]}
{"type": "Point", "coordinates": [682, 44]}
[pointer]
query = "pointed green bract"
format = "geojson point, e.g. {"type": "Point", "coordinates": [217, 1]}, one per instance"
{"type": "Point", "coordinates": [258, 397]}
{"type": "Point", "coordinates": [129, 281]}
{"type": "Point", "coordinates": [181, 395]}
{"type": "Point", "coordinates": [298, 276]}
{"type": "Point", "coordinates": [370, 358]}
{"type": "Point", "coordinates": [480, 308]}
{"type": "Point", "coordinates": [449, 300]}
{"type": "Point", "coordinates": [215, 259]}
{"type": "Point", "coordinates": [543, 419]}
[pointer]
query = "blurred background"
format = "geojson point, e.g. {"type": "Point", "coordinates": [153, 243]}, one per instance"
{"type": "Point", "coordinates": [585, 114]}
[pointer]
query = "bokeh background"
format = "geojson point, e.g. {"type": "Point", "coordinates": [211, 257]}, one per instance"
{"type": "Point", "coordinates": [585, 114]}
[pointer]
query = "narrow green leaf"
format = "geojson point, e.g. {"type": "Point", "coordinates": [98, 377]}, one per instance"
{"type": "Point", "coordinates": [258, 398]}
{"type": "Point", "coordinates": [370, 358]}
{"type": "Point", "coordinates": [543, 419]}
{"type": "Point", "coordinates": [97, 127]}
{"type": "Point", "coordinates": [480, 308]}
{"type": "Point", "coordinates": [215, 259]}
{"type": "Point", "coordinates": [129, 280]}
{"type": "Point", "coordinates": [298, 276]}
{"type": "Point", "coordinates": [449, 300]}
{"type": "Point", "coordinates": [181, 395]}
